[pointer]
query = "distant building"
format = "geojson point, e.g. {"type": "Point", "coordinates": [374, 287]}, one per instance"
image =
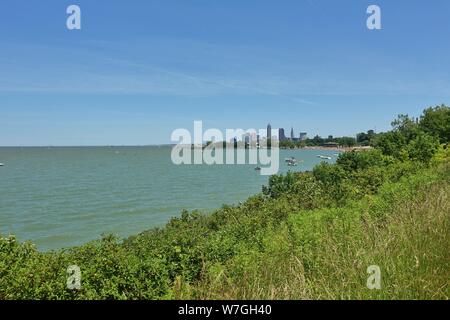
{"type": "Point", "coordinates": [281, 135]}
{"type": "Point", "coordinates": [330, 137]}
{"type": "Point", "coordinates": [292, 134]}
{"type": "Point", "coordinates": [303, 136]}
{"type": "Point", "coordinates": [269, 131]}
{"type": "Point", "coordinates": [247, 138]}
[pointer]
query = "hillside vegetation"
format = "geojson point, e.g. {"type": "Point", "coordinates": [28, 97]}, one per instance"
{"type": "Point", "coordinates": [305, 236]}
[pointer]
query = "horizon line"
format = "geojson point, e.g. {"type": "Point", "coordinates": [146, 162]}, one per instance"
{"type": "Point", "coordinates": [89, 146]}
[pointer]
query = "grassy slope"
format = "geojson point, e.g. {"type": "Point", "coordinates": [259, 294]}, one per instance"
{"type": "Point", "coordinates": [324, 254]}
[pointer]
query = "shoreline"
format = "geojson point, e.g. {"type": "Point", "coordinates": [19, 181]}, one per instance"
{"type": "Point", "coordinates": [340, 149]}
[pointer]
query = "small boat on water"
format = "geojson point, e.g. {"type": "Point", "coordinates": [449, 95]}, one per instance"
{"type": "Point", "coordinates": [292, 162]}
{"type": "Point", "coordinates": [324, 157]}
{"type": "Point", "coordinates": [2, 164]}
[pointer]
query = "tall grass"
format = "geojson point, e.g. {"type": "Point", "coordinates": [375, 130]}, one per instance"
{"type": "Point", "coordinates": [325, 253]}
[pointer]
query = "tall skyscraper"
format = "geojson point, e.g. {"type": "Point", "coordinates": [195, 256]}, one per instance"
{"type": "Point", "coordinates": [269, 131]}
{"type": "Point", "coordinates": [292, 134]}
{"type": "Point", "coordinates": [281, 135]}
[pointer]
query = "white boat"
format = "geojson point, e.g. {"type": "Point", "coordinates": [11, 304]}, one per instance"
{"type": "Point", "coordinates": [292, 162]}
{"type": "Point", "coordinates": [324, 157]}
{"type": "Point", "coordinates": [2, 165]}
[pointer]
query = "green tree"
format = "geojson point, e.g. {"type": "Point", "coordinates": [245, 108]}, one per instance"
{"type": "Point", "coordinates": [406, 126]}
{"type": "Point", "coordinates": [391, 143]}
{"type": "Point", "coordinates": [318, 140]}
{"type": "Point", "coordinates": [436, 122]}
{"type": "Point", "coordinates": [347, 141]}
{"type": "Point", "coordinates": [353, 161]}
{"type": "Point", "coordinates": [365, 139]}
{"type": "Point", "coordinates": [423, 147]}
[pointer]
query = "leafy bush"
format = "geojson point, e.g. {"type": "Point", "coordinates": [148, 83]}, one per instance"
{"type": "Point", "coordinates": [436, 122]}
{"type": "Point", "coordinates": [354, 161]}
{"type": "Point", "coordinates": [423, 148]}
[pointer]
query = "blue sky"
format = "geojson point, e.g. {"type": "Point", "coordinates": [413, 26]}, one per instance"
{"type": "Point", "coordinates": [139, 69]}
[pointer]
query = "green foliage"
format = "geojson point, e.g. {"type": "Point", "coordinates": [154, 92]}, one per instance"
{"type": "Point", "coordinates": [279, 184]}
{"type": "Point", "coordinates": [334, 180]}
{"type": "Point", "coordinates": [354, 161]}
{"type": "Point", "coordinates": [442, 155]}
{"type": "Point", "coordinates": [416, 140]}
{"type": "Point", "coordinates": [346, 141]}
{"type": "Point", "coordinates": [423, 148]}
{"type": "Point", "coordinates": [319, 141]}
{"type": "Point", "coordinates": [406, 126]}
{"type": "Point", "coordinates": [366, 139]}
{"type": "Point", "coordinates": [436, 122]}
{"type": "Point", "coordinates": [289, 144]}
{"type": "Point", "coordinates": [392, 144]}
{"type": "Point", "coordinates": [299, 188]}
{"type": "Point", "coordinates": [325, 253]}
{"type": "Point", "coordinates": [357, 173]}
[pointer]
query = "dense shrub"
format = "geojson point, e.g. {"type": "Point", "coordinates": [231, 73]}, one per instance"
{"type": "Point", "coordinates": [423, 148]}
{"type": "Point", "coordinates": [354, 161]}
{"type": "Point", "coordinates": [436, 122]}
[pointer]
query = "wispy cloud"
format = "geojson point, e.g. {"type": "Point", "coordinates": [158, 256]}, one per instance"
{"type": "Point", "coordinates": [203, 69]}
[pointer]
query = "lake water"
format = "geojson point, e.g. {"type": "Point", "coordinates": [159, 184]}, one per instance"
{"type": "Point", "coordinates": [63, 197]}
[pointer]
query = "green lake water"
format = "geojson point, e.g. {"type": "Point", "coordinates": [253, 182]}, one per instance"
{"type": "Point", "coordinates": [63, 197]}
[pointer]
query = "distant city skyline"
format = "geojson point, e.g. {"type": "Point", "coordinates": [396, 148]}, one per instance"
{"type": "Point", "coordinates": [136, 72]}
{"type": "Point", "coordinates": [280, 134]}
